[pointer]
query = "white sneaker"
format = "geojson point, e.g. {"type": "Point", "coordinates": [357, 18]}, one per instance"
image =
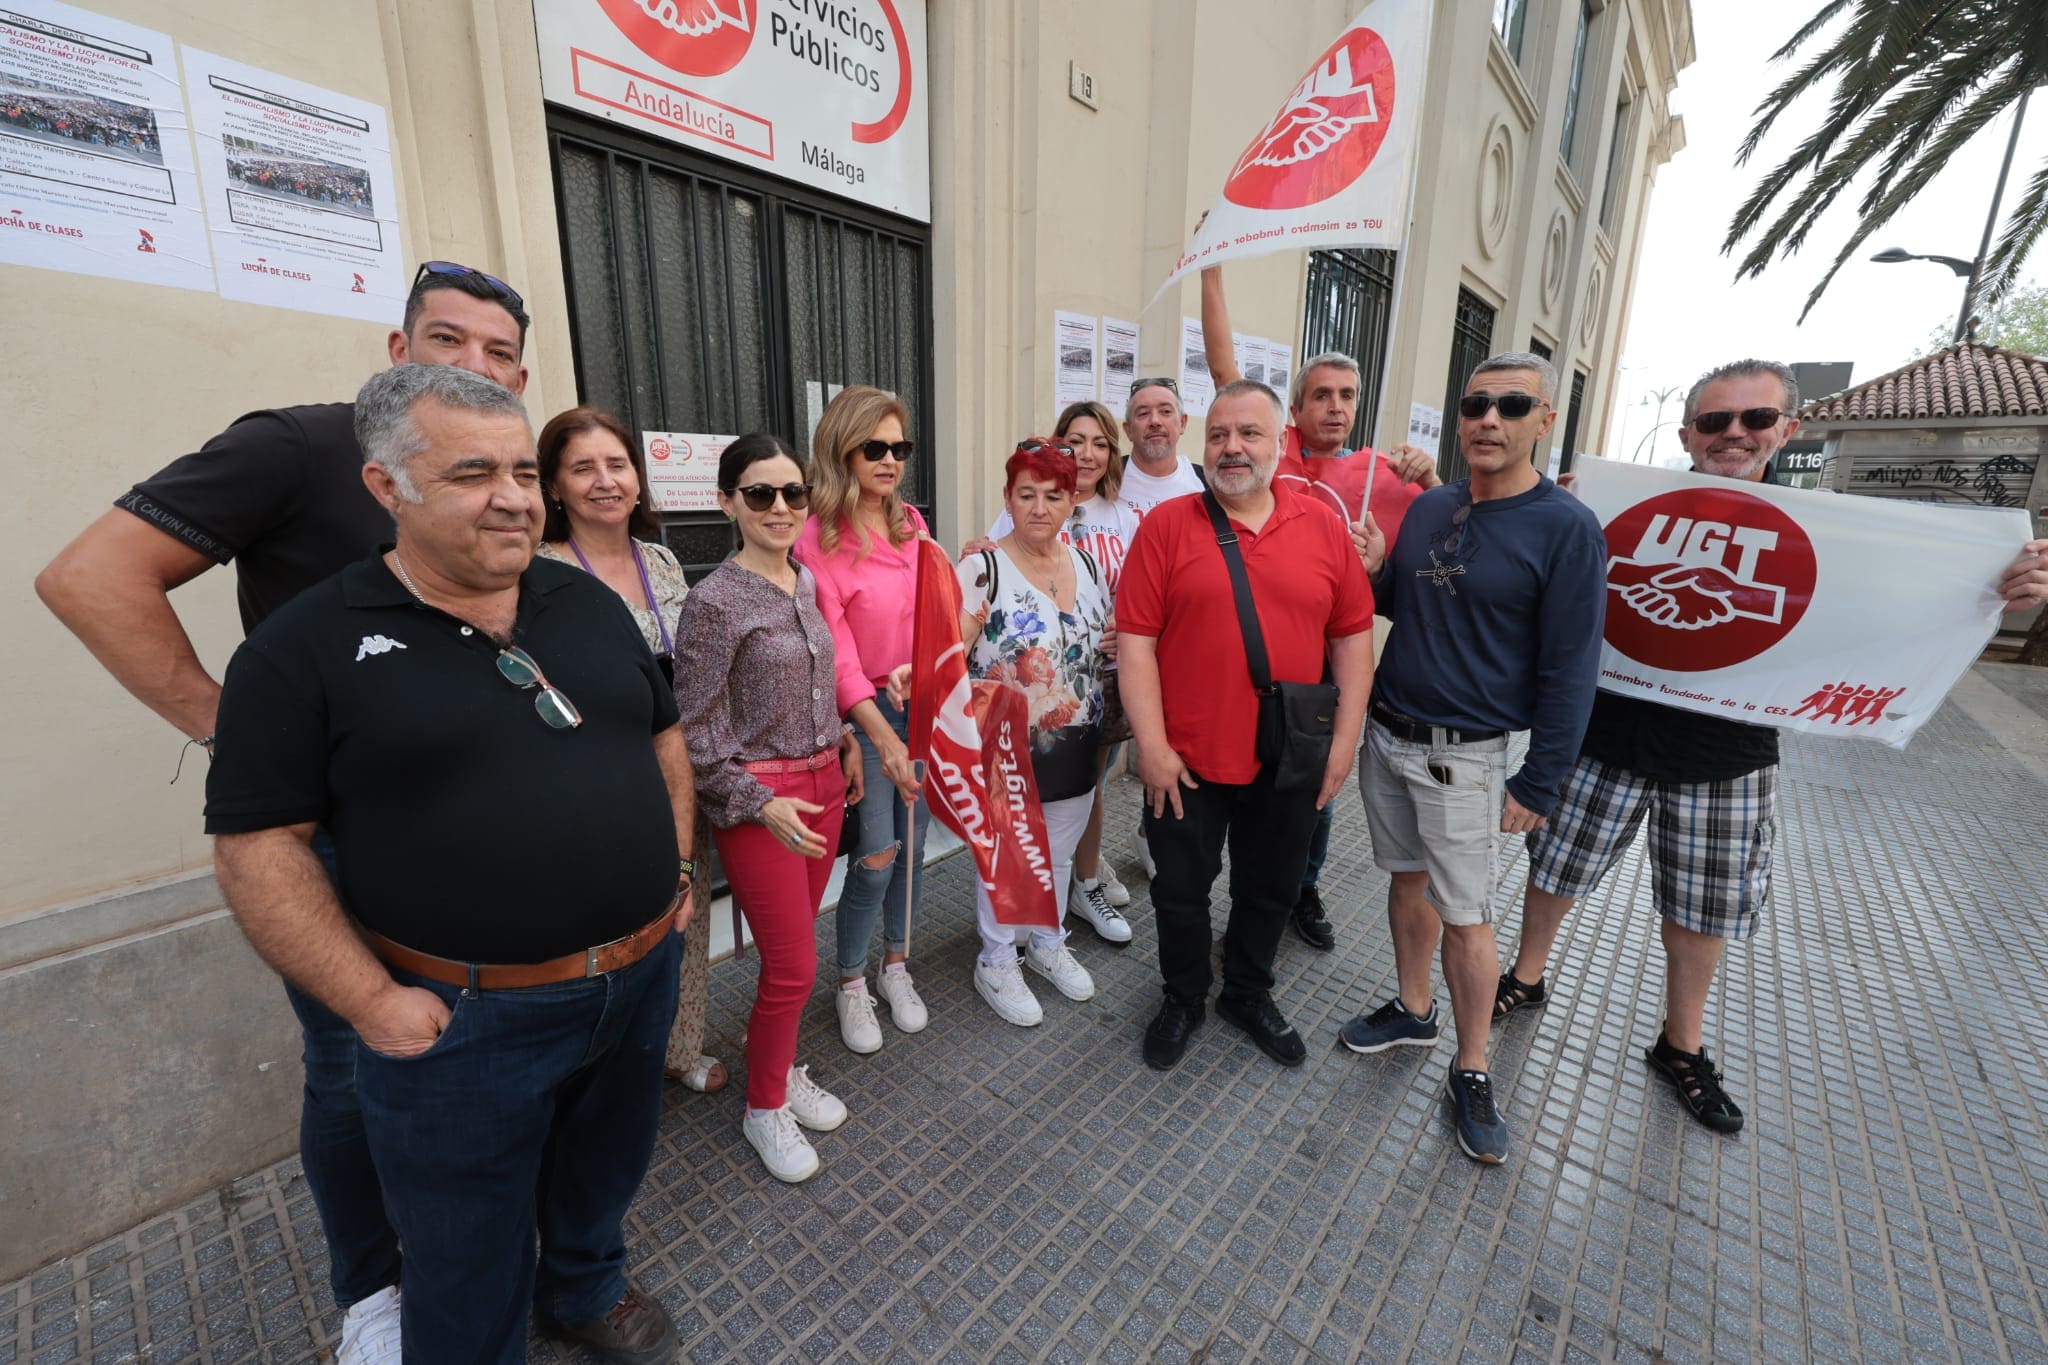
{"type": "Point", "coordinates": [1113, 891]}
{"type": "Point", "coordinates": [1091, 903]}
{"type": "Point", "coordinates": [815, 1107]}
{"type": "Point", "coordinates": [1002, 985]}
{"type": "Point", "coordinates": [784, 1150]}
{"type": "Point", "coordinates": [369, 1331]}
{"type": "Point", "coordinates": [857, 1018]}
{"type": "Point", "coordinates": [906, 1009]}
{"type": "Point", "coordinates": [1144, 851]}
{"type": "Point", "coordinates": [1057, 965]}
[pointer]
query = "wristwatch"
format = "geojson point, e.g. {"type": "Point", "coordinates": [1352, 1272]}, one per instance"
{"type": "Point", "coordinates": [686, 869]}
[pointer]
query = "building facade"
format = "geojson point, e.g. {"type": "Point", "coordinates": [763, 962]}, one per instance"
{"type": "Point", "coordinates": [702, 274]}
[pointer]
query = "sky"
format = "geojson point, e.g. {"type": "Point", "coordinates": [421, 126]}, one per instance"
{"type": "Point", "coordinates": [1689, 312]}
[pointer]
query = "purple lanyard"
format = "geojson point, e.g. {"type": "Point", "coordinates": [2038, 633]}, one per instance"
{"type": "Point", "coordinates": [646, 586]}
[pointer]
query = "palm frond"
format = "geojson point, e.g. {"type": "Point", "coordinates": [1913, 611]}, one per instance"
{"type": "Point", "coordinates": [2023, 229]}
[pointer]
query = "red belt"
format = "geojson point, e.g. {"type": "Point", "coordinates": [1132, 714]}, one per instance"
{"type": "Point", "coordinates": [769, 767]}
{"type": "Point", "coordinates": [615, 956]}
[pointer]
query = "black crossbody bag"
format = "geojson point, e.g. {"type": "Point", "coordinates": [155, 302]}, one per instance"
{"type": "Point", "coordinates": [1297, 721]}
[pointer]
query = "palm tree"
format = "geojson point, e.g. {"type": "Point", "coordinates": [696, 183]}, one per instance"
{"type": "Point", "coordinates": [1913, 81]}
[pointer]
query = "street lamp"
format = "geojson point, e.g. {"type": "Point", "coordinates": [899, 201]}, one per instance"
{"type": "Point", "coordinates": [1662, 396]}
{"type": "Point", "coordinates": [1973, 271]}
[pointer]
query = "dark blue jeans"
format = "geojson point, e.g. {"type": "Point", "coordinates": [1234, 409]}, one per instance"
{"type": "Point", "coordinates": [534, 1107]}
{"type": "Point", "coordinates": [362, 1249]}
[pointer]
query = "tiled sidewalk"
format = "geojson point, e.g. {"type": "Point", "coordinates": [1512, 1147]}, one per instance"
{"type": "Point", "coordinates": [1007, 1194]}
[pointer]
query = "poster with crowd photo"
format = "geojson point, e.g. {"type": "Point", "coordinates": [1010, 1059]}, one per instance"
{"type": "Point", "coordinates": [1119, 363]}
{"type": "Point", "coordinates": [299, 191]}
{"type": "Point", "coordinates": [1279, 366]}
{"type": "Point", "coordinates": [95, 156]}
{"type": "Point", "coordinates": [1077, 348]}
{"type": "Point", "coordinates": [1790, 607]}
{"type": "Point", "coordinates": [1197, 385]}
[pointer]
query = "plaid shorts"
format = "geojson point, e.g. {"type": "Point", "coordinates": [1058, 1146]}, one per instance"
{"type": "Point", "coordinates": [1710, 843]}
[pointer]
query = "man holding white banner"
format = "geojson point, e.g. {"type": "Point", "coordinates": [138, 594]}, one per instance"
{"type": "Point", "coordinates": [1726, 604]}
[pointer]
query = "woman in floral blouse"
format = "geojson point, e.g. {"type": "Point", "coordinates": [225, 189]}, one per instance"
{"type": "Point", "coordinates": [1035, 615]}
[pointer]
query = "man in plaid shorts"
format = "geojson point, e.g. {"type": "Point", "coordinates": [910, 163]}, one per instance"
{"type": "Point", "coordinates": [1709, 785]}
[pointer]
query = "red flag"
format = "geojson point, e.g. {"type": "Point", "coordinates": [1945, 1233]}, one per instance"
{"type": "Point", "coordinates": [974, 737]}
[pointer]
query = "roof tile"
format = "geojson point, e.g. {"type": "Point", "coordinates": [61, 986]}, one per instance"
{"type": "Point", "coordinates": [1965, 381]}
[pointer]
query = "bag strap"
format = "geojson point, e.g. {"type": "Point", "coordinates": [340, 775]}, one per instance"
{"type": "Point", "coordinates": [1241, 589]}
{"type": "Point", "coordinates": [988, 564]}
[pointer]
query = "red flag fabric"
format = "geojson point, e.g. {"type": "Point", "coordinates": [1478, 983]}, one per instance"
{"type": "Point", "coordinates": [974, 737]}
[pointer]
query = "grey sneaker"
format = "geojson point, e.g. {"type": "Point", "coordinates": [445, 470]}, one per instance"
{"type": "Point", "coordinates": [1482, 1132]}
{"type": "Point", "coordinates": [1391, 1025]}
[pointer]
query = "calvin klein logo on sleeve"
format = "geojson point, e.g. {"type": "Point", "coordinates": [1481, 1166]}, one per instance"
{"type": "Point", "coordinates": [377, 644]}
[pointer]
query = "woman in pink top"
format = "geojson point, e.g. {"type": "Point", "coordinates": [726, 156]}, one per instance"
{"type": "Point", "coordinates": [858, 546]}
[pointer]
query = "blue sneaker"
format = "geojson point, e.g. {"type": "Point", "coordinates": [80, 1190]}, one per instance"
{"type": "Point", "coordinates": [1482, 1132]}
{"type": "Point", "coordinates": [1391, 1025]}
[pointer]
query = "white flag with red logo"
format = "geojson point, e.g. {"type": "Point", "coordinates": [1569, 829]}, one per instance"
{"type": "Point", "coordinates": [974, 737]}
{"type": "Point", "coordinates": [1804, 610]}
{"type": "Point", "coordinates": [1331, 167]}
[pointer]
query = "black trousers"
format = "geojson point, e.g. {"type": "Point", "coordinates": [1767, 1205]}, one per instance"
{"type": "Point", "coordinates": [1268, 835]}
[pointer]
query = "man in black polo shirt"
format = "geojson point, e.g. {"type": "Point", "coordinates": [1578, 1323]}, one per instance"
{"type": "Point", "coordinates": [280, 493]}
{"type": "Point", "coordinates": [498, 761]}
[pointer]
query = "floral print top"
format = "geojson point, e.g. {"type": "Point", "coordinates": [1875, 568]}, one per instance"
{"type": "Point", "coordinates": [664, 575]}
{"type": "Point", "coordinates": [1026, 641]}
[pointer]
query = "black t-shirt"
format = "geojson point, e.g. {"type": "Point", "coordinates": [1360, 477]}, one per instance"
{"type": "Point", "coordinates": [280, 493]}
{"type": "Point", "coordinates": [464, 825]}
{"type": "Point", "coordinates": [1665, 744]}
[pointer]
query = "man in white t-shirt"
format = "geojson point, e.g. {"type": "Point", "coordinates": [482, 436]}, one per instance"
{"type": "Point", "coordinates": [1156, 470]}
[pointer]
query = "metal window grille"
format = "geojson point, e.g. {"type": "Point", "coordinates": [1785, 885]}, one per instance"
{"type": "Point", "coordinates": [1350, 309]}
{"type": "Point", "coordinates": [1471, 342]}
{"type": "Point", "coordinates": [703, 298]}
{"type": "Point", "coordinates": [1571, 421]}
{"type": "Point", "coordinates": [1538, 347]}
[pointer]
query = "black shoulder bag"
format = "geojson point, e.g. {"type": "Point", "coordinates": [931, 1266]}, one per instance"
{"type": "Point", "coordinates": [1297, 721]}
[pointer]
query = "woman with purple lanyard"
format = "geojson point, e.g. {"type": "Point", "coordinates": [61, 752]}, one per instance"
{"type": "Point", "coordinates": [600, 518]}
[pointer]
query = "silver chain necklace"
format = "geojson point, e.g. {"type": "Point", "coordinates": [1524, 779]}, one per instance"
{"type": "Point", "coordinates": [406, 578]}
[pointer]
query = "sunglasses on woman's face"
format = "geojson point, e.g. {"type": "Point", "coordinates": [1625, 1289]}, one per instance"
{"type": "Point", "coordinates": [761, 496]}
{"type": "Point", "coordinates": [1753, 419]}
{"type": "Point", "coordinates": [1473, 406]}
{"type": "Point", "coordinates": [875, 451]}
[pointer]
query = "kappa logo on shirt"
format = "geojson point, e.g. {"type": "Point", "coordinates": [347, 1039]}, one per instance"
{"type": "Point", "coordinates": [377, 644]}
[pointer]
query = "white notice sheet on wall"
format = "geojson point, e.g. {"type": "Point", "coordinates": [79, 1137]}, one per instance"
{"type": "Point", "coordinates": [1075, 347]}
{"type": "Point", "coordinates": [1252, 355]}
{"type": "Point", "coordinates": [1425, 427]}
{"type": "Point", "coordinates": [1197, 389]}
{"type": "Point", "coordinates": [1279, 367]}
{"type": "Point", "coordinates": [1119, 363]}
{"type": "Point", "coordinates": [299, 192]}
{"type": "Point", "coordinates": [95, 156]}
{"type": "Point", "coordinates": [682, 469]}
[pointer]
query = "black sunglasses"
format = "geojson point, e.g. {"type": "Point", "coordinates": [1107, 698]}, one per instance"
{"type": "Point", "coordinates": [761, 496]}
{"type": "Point", "coordinates": [1458, 520]}
{"type": "Point", "coordinates": [1753, 419]}
{"type": "Point", "coordinates": [874, 451]}
{"type": "Point", "coordinates": [427, 268]}
{"type": "Point", "coordinates": [1162, 382]}
{"type": "Point", "coordinates": [1473, 406]}
{"type": "Point", "coordinates": [554, 706]}
{"type": "Point", "coordinates": [1036, 444]}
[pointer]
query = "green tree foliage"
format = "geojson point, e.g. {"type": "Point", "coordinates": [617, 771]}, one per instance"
{"type": "Point", "coordinates": [1913, 80]}
{"type": "Point", "coordinates": [2018, 323]}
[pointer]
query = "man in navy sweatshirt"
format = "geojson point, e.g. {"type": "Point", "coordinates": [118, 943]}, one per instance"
{"type": "Point", "coordinates": [1496, 590]}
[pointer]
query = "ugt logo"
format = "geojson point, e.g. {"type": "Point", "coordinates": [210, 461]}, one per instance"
{"type": "Point", "coordinates": [1327, 132]}
{"type": "Point", "coordinates": [1704, 578]}
{"type": "Point", "coordinates": [696, 37]}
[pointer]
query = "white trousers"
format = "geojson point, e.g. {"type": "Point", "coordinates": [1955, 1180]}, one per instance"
{"type": "Point", "coordinates": [1065, 822]}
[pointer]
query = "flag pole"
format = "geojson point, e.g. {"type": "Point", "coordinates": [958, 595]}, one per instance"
{"type": "Point", "coordinates": [1407, 240]}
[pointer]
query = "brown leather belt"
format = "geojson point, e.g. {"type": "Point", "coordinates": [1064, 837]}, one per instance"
{"type": "Point", "coordinates": [615, 956]}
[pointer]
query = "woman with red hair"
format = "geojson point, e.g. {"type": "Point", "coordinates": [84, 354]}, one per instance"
{"type": "Point", "coordinates": [1035, 616]}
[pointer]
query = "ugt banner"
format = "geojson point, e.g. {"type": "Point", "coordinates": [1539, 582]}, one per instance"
{"type": "Point", "coordinates": [1804, 610]}
{"type": "Point", "coordinates": [1332, 166]}
{"type": "Point", "coordinates": [974, 737]}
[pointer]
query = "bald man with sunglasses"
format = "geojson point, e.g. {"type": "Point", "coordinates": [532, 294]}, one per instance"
{"type": "Point", "coordinates": [1712, 783]}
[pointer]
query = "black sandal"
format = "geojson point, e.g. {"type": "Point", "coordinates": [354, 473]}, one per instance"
{"type": "Point", "coordinates": [1513, 994]}
{"type": "Point", "coordinates": [1698, 1084]}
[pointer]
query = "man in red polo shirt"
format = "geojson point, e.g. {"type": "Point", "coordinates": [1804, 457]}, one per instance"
{"type": "Point", "coordinates": [1188, 691]}
{"type": "Point", "coordinates": [1323, 405]}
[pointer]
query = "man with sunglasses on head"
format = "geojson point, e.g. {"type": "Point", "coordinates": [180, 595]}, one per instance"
{"type": "Point", "coordinates": [1322, 408]}
{"type": "Point", "coordinates": [508, 964]}
{"type": "Point", "coordinates": [1712, 784]}
{"type": "Point", "coordinates": [280, 494]}
{"type": "Point", "coordinates": [1496, 589]}
{"type": "Point", "coordinates": [1156, 471]}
